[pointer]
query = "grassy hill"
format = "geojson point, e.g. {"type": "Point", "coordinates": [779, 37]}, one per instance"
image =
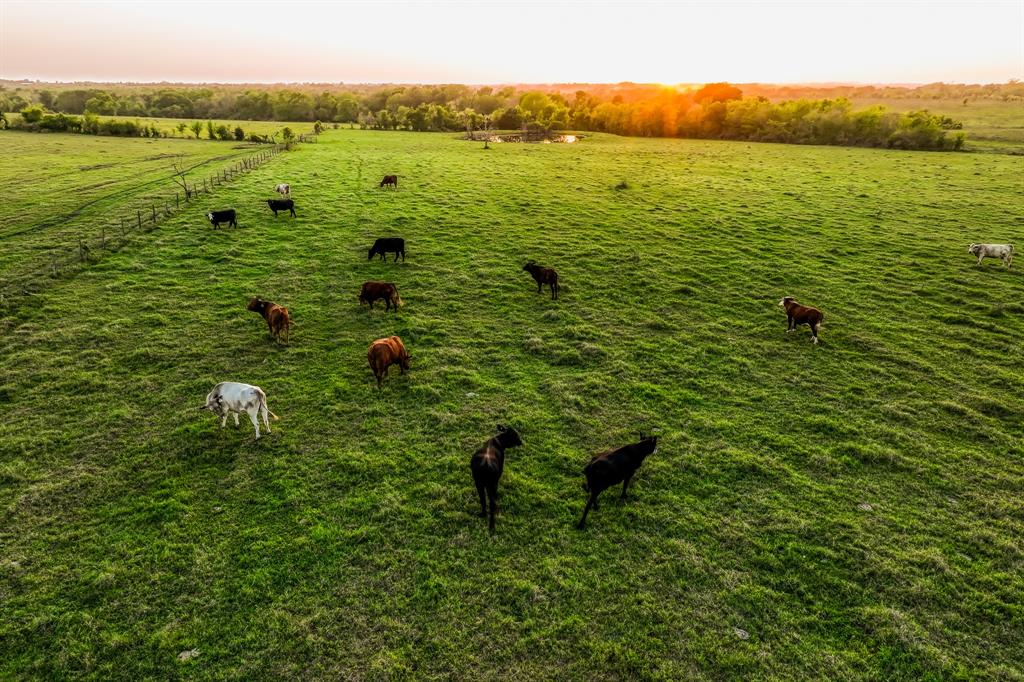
{"type": "Point", "coordinates": [845, 511]}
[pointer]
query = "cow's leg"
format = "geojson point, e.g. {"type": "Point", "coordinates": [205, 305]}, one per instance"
{"type": "Point", "coordinates": [235, 415]}
{"type": "Point", "coordinates": [789, 324]}
{"type": "Point", "coordinates": [483, 497]}
{"type": "Point", "coordinates": [265, 412]}
{"type": "Point", "coordinates": [553, 291]}
{"type": "Point", "coordinates": [590, 503]}
{"type": "Point", "coordinates": [492, 494]}
{"type": "Point", "coordinates": [814, 332]}
{"type": "Point", "coordinates": [625, 487]}
{"type": "Point", "coordinates": [540, 286]}
{"type": "Point", "coordinates": [293, 212]}
{"type": "Point", "coordinates": [980, 258]}
{"type": "Point", "coordinates": [224, 420]}
{"type": "Point", "coordinates": [252, 412]}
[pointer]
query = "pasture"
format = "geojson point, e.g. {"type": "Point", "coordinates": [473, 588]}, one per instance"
{"type": "Point", "coordinates": [846, 511]}
{"type": "Point", "coordinates": [62, 187]}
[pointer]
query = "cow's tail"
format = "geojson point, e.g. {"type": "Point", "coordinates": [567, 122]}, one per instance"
{"type": "Point", "coordinates": [263, 405]}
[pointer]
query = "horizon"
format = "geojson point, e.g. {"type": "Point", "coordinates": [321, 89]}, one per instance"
{"type": "Point", "coordinates": [781, 43]}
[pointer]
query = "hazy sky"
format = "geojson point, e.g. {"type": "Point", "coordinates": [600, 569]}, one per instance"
{"type": "Point", "coordinates": [492, 42]}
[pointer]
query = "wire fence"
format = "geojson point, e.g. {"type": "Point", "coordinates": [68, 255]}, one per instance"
{"type": "Point", "coordinates": [116, 232]}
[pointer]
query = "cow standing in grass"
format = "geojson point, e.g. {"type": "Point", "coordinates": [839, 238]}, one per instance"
{"type": "Point", "coordinates": [543, 276]}
{"type": "Point", "coordinates": [281, 205]}
{"type": "Point", "coordinates": [386, 352]}
{"type": "Point", "coordinates": [233, 398]}
{"type": "Point", "coordinates": [278, 321]}
{"type": "Point", "coordinates": [376, 291]}
{"type": "Point", "coordinates": [385, 245]}
{"type": "Point", "coordinates": [1003, 252]}
{"type": "Point", "coordinates": [797, 315]}
{"type": "Point", "coordinates": [612, 467]}
{"type": "Point", "coordinates": [226, 216]}
{"type": "Point", "coordinates": [487, 465]}
{"type": "Point", "coordinates": [390, 181]}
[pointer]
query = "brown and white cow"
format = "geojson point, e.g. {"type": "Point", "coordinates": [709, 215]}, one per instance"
{"type": "Point", "coordinates": [797, 314]}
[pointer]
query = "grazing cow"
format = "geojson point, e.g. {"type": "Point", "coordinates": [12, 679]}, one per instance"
{"type": "Point", "coordinates": [230, 397]}
{"type": "Point", "coordinates": [543, 276]}
{"type": "Point", "coordinates": [1003, 252]}
{"type": "Point", "coordinates": [386, 352]}
{"type": "Point", "coordinates": [281, 205]}
{"type": "Point", "coordinates": [487, 464]}
{"type": "Point", "coordinates": [283, 189]}
{"type": "Point", "coordinates": [612, 467]}
{"type": "Point", "coordinates": [385, 245]}
{"type": "Point", "coordinates": [797, 314]}
{"type": "Point", "coordinates": [376, 291]}
{"type": "Point", "coordinates": [218, 217]}
{"type": "Point", "coordinates": [278, 320]}
{"type": "Point", "coordinates": [389, 180]}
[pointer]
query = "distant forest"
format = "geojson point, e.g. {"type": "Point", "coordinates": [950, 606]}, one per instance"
{"type": "Point", "coordinates": [756, 112]}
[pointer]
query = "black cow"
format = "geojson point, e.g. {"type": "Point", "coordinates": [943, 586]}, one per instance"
{"type": "Point", "coordinates": [390, 180]}
{"type": "Point", "coordinates": [386, 245]}
{"type": "Point", "coordinates": [487, 465]}
{"type": "Point", "coordinates": [281, 205]}
{"type": "Point", "coordinates": [612, 467]}
{"type": "Point", "coordinates": [218, 217]}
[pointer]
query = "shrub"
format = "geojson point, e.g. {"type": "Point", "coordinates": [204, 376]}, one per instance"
{"type": "Point", "coordinates": [32, 114]}
{"type": "Point", "coordinates": [223, 133]}
{"type": "Point", "coordinates": [239, 133]}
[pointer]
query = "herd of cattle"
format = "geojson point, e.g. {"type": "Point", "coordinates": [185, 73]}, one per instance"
{"type": "Point", "coordinates": [487, 464]}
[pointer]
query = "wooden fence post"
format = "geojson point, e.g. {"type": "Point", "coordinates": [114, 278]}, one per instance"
{"type": "Point", "coordinates": [103, 238]}
{"type": "Point", "coordinates": [175, 201]}
{"type": "Point", "coordinates": [124, 230]}
{"type": "Point", "coordinates": [153, 209]}
{"type": "Point", "coordinates": [138, 214]}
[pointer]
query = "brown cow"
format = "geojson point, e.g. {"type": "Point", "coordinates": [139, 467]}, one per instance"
{"type": "Point", "coordinates": [386, 352]}
{"type": "Point", "coordinates": [797, 314]}
{"type": "Point", "coordinates": [389, 180]}
{"type": "Point", "coordinates": [543, 276]}
{"type": "Point", "coordinates": [375, 291]}
{"type": "Point", "coordinates": [277, 318]}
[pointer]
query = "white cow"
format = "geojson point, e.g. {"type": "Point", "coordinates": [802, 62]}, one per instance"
{"type": "Point", "coordinates": [1004, 252]}
{"type": "Point", "coordinates": [283, 189]}
{"type": "Point", "coordinates": [230, 397]}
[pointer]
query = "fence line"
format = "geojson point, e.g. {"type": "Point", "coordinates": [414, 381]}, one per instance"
{"type": "Point", "coordinates": [70, 258]}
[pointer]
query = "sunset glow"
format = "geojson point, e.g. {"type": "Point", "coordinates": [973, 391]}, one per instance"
{"type": "Point", "coordinates": [522, 42]}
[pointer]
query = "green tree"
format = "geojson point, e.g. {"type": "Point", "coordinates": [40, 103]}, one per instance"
{"type": "Point", "coordinates": [196, 128]}
{"type": "Point", "coordinates": [239, 133]}
{"type": "Point", "coordinates": [211, 132]}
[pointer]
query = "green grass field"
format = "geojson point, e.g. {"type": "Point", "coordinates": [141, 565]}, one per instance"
{"type": "Point", "coordinates": [846, 511]}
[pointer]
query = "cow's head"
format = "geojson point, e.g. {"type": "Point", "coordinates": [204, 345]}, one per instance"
{"type": "Point", "coordinates": [214, 402]}
{"type": "Point", "coordinates": [508, 436]}
{"type": "Point", "coordinates": [530, 265]}
{"type": "Point", "coordinates": [785, 300]}
{"type": "Point", "coordinates": [257, 305]}
{"type": "Point", "coordinates": [373, 250]}
{"type": "Point", "coordinates": [974, 248]}
{"type": "Point", "coordinates": [209, 216]}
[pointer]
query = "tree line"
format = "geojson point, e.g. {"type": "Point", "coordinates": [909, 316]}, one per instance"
{"type": "Point", "coordinates": [713, 111]}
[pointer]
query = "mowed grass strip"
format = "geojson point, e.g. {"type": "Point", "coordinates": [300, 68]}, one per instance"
{"type": "Point", "coordinates": [844, 512]}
